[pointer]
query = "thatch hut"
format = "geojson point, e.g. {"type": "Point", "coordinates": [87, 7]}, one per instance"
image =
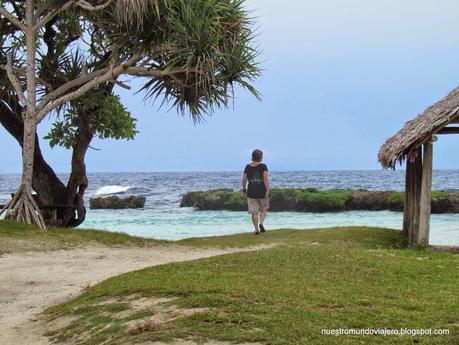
{"type": "Point", "coordinates": [413, 144]}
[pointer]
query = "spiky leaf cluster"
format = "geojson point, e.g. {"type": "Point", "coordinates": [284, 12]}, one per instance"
{"type": "Point", "coordinates": [209, 41]}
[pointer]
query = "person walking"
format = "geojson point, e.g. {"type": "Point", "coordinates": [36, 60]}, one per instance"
{"type": "Point", "coordinates": [257, 190]}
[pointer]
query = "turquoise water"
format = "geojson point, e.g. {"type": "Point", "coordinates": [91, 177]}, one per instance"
{"type": "Point", "coordinates": [162, 218]}
{"type": "Point", "coordinates": [186, 222]}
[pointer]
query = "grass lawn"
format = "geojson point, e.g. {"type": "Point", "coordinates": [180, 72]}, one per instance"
{"type": "Point", "coordinates": [312, 280]}
{"type": "Point", "coordinates": [17, 237]}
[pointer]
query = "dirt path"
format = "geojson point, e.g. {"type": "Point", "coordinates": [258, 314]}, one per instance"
{"type": "Point", "coordinates": [33, 281]}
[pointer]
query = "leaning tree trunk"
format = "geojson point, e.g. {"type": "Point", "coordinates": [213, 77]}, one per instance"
{"type": "Point", "coordinates": [49, 188]}
{"type": "Point", "coordinates": [78, 181]}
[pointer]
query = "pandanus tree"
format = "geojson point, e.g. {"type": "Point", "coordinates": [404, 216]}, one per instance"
{"type": "Point", "coordinates": [98, 113]}
{"type": "Point", "coordinates": [190, 53]}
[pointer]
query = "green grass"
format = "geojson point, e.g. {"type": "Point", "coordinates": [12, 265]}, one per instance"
{"type": "Point", "coordinates": [17, 237]}
{"type": "Point", "coordinates": [312, 280]}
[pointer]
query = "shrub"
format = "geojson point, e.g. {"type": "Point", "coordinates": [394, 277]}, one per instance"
{"type": "Point", "coordinates": [235, 201]}
{"type": "Point", "coordinates": [396, 201]}
{"type": "Point", "coordinates": [320, 201]}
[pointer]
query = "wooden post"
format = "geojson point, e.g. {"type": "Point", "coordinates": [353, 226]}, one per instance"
{"type": "Point", "coordinates": [426, 194]}
{"type": "Point", "coordinates": [408, 198]}
{"type": "Point", "coordinates": [413, 197]}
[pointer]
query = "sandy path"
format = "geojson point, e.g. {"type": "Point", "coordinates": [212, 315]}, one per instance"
{"type": "Point", "coordinates": [33, 281]}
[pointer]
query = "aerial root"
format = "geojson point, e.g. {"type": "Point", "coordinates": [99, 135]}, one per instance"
{"type": "Point", "coordinates": [23, 208]}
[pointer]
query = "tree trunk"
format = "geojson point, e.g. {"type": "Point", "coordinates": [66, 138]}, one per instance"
{"type": "Point", "coordinates": [28, 152]}
{"type": "Point", "coordinates": [23, 206]}
{"type": "Point", "coordinates": [49, 188]}
{"type": "Point", "coordinates": [78, 181]}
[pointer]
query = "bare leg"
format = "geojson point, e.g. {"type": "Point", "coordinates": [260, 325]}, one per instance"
{"type": "Point", "coordinates": [255, 221]}
{"type": "Point", "coordinates": [262, 216]}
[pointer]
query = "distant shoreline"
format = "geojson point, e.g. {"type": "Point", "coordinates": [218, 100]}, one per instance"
{"type": "Point", "coordinates": [399, 170]}
{"type": "Point", "coordinates": [317, 200]}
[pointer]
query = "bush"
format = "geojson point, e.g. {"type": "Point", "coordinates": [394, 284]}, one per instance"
{"type": "Point", "coordinates": [235, 201]}
{"type": "Point", "coordinates": [396, 201]}
{"type": "Point", "coordinates": [320, 201]}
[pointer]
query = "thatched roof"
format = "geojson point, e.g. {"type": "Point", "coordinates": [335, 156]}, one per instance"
{"type": "Point", "coordinates": [417, 131]}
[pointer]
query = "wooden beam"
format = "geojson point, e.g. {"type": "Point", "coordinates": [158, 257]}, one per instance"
{"type": "Point", "coordinates": [426, 195]}
{"type": "Point", "coordinates": [456, 120]}
{"type": "Point", "coordinates": [449, 130]}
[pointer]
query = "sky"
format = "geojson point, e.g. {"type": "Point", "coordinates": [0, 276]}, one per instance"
{"type": "Point", "coordinates": [339, 77]}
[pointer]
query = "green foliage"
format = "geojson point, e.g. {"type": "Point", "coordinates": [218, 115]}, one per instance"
{"type": "Point", "coordinates": [396, 197]}
{"type": "Point", "coordinates": [314, 200]}
{"type": "Point", "coordinates": [114, 121]}
{"type": "Point", "coordinates": [199, 50]}
{"type": "Point", "coordinates": [313, 280]}
{"type": "Point", "coordinates": [236, 200]}
{"type": "Point", "coordinates": [208, 43]}
{"type": "Point", "coordinates": [324, 200]}
{"type": "Point", "coordinates": [298, 199]}
{"type": "Point", "coordinates": [107, 118]}
{"type": "Point", "coordinates": [437, 194]}
{"type": "Point", "coordinates": [396, 200]}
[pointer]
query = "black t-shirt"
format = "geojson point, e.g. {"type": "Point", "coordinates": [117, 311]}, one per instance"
{"type": "Point", "coordinates": [256, 189]}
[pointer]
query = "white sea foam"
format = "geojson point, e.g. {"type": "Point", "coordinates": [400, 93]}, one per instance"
{"type": "Point", "coordinates": [5, 196]}
{"type": "Point", "coordinates": [107, 190]}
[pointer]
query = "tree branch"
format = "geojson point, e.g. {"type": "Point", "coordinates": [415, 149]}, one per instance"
{"type": "Point", "coordinates": [53, 99]}
{"type": "Point", "coordinates": [12, 18]}
{"type": "Point", "coordinates": [112, 73]}
{"type": "Point", "coordinates": [70, 85]}
{"type": "Point", "coordinates": [120, 84]}
{"type": "Point", "coordinates": [87, 6]}
{"type": "Point", "coordinates": [150, 72]}
{"type": "Point", "coordinates": [51, 15]}
{"type": "Point", "coordinates": [14, 79]}
{"type": "Point", "coordinates": [147, 72]}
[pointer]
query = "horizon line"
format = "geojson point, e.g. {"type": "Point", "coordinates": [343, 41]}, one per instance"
{"type": "Point", "coordinates": [226, 171]}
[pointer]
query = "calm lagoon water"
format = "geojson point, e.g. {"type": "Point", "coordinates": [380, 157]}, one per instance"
{"type": "Point", "coordinates": [162, 218]}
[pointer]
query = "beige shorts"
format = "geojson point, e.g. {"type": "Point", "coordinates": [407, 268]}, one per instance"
{"type": "Point", "coordinates": [257, 205]}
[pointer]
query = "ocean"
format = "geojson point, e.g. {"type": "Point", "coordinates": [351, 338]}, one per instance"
{"type": "Point", "coordinates": [162, 218]}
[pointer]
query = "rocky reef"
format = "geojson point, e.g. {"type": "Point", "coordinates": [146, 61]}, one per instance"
{"type": "Point", "coordinates": [115, 202]}
{"type": "Point", "coordinates": [314, 200]}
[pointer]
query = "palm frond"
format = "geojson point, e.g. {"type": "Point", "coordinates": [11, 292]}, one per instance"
{"type": "Point", "coordinates": [211, 41]}
{"type": "Point", "coordinates": [133, 13]}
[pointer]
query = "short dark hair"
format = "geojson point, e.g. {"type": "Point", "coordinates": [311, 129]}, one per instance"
{"type": "Point", "coordinates": [257, 155]}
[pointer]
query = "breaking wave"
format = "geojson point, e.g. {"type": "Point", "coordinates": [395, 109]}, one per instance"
{"type": "Point", "coordinates": [107, 190]}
